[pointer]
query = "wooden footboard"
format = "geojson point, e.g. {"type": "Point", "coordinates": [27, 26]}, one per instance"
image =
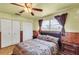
{"type": "Point", "coordinates": [7, 50]}
{"type": "Point", "coordinates": [17, 51]}
{"type": "Point", "coordinates": [20, 51]}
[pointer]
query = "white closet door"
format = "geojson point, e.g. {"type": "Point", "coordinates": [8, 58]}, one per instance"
{"type": "Point", "coordinates": [6, 37]}
{"type": "Point", "coordinates": [16, 32]}
{"type": "Point", "coordinates": [27, 31]}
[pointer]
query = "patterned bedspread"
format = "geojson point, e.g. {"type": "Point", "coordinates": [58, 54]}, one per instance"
{"type": "Point", "coordinates": [38, 47]}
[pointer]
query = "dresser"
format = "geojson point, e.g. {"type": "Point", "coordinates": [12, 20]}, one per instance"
{"type": "Point", "coordinates": [69, 48]}
{"type": "Point", "coordinates": [70, 45]}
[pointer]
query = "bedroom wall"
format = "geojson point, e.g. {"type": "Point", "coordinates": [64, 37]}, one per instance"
{"type": "Point", "coordinates": [14, 17]}
{"type": "Point", "coordinates": [72, 22]}
{"type": "Point", "coordinates": [70, 26]}
{"type": "Point", "coordinates": [35, 25]}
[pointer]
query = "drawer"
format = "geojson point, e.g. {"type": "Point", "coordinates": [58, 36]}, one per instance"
{"type": "Point", "coordinates": [68, 53]}
{"type": "Point", "coordinates": [69, 48]}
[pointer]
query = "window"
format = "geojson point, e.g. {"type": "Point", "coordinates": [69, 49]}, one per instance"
{"type": "Point", "coordinates": [45, 25]}
{"type": "Point", "coordinates": [55, 26]}
{"type": "Point", "coordinates": [51, 25]}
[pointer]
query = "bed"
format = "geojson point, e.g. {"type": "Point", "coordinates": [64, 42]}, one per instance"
{"type": "Point", "coordinates": [55, 34]}
{"type": "Point", "coordinates": [36, 47]}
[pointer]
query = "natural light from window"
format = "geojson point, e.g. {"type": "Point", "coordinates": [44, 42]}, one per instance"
{"type": "Point", "coordinates": [51, 25]}
{"type": "Point", "coordinates": [45, 25]}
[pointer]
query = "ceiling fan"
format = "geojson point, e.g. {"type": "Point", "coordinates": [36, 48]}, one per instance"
{"type": "Point", "coordinates": [27, 8]}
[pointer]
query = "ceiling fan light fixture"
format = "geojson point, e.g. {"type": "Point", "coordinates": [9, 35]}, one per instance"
{"type": "Point", "coordinates": [28, 10]}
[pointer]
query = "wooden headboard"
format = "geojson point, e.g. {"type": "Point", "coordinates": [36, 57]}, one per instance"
{"type": "Point", "coordinates": [52, 33]}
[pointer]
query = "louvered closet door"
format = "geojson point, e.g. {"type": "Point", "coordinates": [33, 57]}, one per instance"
{"type": "Point", "coordinates": [16, 32]}
{"type": "Point", "coordinates": [27, 31]}
{"type": "Point", "coordinates": [6, 36]}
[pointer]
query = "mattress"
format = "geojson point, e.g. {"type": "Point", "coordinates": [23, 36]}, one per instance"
{"type": "Point", "coordinates": [37, 47]}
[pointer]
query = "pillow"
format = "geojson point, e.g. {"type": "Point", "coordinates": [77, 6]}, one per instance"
{"type": "Point", "coordinates": [48, 38]}
{"type": "Point", "coordinates": [52, 39]}
{"type": "Point", "coordinates": [42, 37]}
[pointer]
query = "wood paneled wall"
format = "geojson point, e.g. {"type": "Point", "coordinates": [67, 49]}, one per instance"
{"type": "Point", "coordinates": [21, 36]}
{"type": "Point", "coordinates": [72, 37]}
{"type": "Point", "coordinates": [0, 39]}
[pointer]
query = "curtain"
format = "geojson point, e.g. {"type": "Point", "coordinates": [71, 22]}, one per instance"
{"type": "Point", "coordinates": [40, 24]}
{"type": "Point", "coordinates": [58, 18]}
{"type": "Point", "coordinates": [62, 19]}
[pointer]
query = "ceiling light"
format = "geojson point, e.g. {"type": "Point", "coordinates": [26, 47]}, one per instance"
{"type": "Point", "coordinates": [27, 10]}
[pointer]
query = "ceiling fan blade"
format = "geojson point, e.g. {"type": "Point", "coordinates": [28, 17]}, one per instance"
{"type": "Point", "coordinates": [25, 4]}
{"type": "Point", "coordinates": [17, 14]}
{"type": "Point", "coordinates": [37, 9]}
{"type": "Point", "coordinates": [32, 13]}
{"type": "Point", "coordinates": [17, 4]}
{"type": "Point", "coordinates": [21, 11]}
{"type": "Point", "coordinates": [28, 5]}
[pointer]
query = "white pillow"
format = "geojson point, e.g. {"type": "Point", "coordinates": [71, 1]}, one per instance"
{"type": "Point", "coordinates": [42, 37]}
{"type": "Point", "coordinates": [48, 38]}
{"type": "Point", "coordinates": [52, 39]}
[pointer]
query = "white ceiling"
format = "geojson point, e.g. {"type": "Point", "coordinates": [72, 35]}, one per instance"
{"type": "Point", "coordinates": [48, 8]}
